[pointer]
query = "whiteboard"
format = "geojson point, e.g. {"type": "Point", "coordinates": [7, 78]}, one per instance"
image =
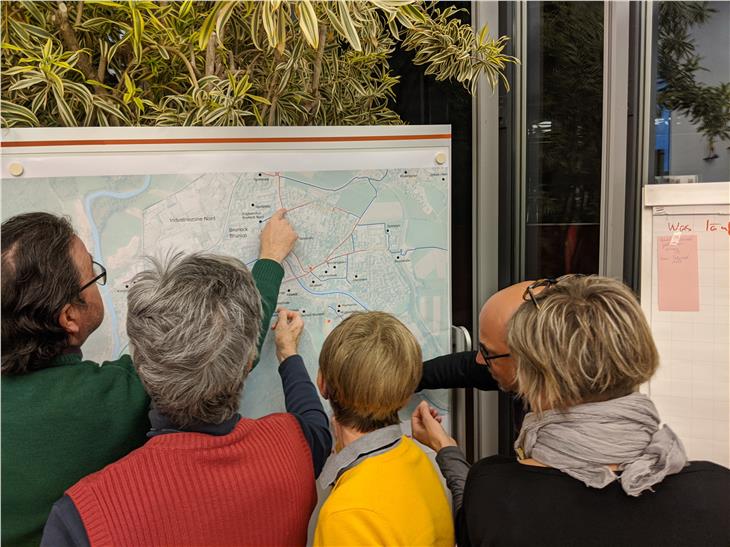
{"type": "Point", "coordinates": [685, 294]}
{"type": "Point", "coordinates": [371, 206]}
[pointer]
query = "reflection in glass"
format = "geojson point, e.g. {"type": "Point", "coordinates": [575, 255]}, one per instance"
{"type": "Point", "coordinates": [692, 114]}
{"type": "Point", "coordinates": [564, 129]}
{"type": "Point", "coordinates": [423, 100]}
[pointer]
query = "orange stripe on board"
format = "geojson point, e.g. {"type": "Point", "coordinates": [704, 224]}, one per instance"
{"type": "Point", "coordinates": [224, 140]}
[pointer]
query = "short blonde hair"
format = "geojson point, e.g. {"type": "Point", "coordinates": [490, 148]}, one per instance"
{"type": "Point", "coordinates": [371, 364]}
{"type": "Point", "coordinates": [588, 342]}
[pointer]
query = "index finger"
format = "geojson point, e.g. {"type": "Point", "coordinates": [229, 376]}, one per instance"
{"type": "Point", "coordinates": [279, 214]}
{"type": "Point", "coordinates": [418, 409]}
{"type": "Point", "coordinates": [289, 315]}
{"type": "Point", "coordinates": [282, 316]}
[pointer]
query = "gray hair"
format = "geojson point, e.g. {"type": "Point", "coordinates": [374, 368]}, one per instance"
{"type": "Point", "coordinates": [588, 342]}
{"type": "Point", "coordinates": [193, 322]}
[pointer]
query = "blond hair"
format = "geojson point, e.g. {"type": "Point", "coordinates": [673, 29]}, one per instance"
{"type": "Point", "coordinates": [588, 342]}
{"type": "Point", "coordinates": [371, 364]}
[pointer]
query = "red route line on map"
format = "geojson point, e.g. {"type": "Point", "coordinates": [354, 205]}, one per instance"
{"type": "Point", "coordinates": [281, 202]}
{"type": "Point", "coordinates": [305, 271]}
{"type": "Point", "coordinates": [305, 274]}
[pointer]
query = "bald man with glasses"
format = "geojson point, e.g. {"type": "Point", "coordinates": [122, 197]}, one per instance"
{"type": "Point", "coordinates": [490, 367]}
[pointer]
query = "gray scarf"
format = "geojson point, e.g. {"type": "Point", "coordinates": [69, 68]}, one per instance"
{"type": "Point", "coordinates": [582, 440]}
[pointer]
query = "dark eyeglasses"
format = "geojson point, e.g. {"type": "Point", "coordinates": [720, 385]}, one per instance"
{"type": "Point", "coordinates": [99, 276]}
{"type": "Point", "coordinates": [489, 358]}
{"type": "Point", "coordinates": [548, 282]}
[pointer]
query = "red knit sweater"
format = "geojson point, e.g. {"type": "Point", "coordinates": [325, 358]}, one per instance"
{"type": "Point", "coordinates": [254, 486]}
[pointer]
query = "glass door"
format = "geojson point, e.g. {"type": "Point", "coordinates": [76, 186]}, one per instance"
{"type": "Point", "coordinates": [563, 125]}
{"type": "Point", "coordinates": [563, 148]}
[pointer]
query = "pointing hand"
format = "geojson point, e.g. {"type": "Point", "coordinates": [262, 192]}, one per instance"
{"type": "Point", "coordinates": [288, 327]}
{"type": "Point", "coordinates": [277, 237]}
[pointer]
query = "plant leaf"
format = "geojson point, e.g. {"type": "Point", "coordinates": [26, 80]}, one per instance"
{"type": "Point", "coordinates": [137, 32]}
{"type": "Point", "coordinates": [224, 15]}
{"type": "Point", "coordinates": [13, 114]}
{"type": "Point", "coordinates": [308, 22]}
{"type": "Point", "coordinates": [64, 111]}
{"type": "Point", "coordinates": [206, 29]}
{"type": "Point", "coordinates": [25, 83]}
{"type": "Point", "coordinates": [349, 26]}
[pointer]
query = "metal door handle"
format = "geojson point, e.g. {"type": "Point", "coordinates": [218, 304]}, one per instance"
{"type": "Point", "coordinates": [460, 339]}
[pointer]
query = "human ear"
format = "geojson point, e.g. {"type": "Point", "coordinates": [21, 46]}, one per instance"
{"type": "Point", "coordinates": [68, 320]}
{"type": "Point", "coordinates": [322, 386]}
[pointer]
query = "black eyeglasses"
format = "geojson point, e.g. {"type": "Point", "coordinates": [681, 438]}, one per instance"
{"type": "Point", "coordinates": [489, 358]}
{"type": "Point", "coordinates": [548, 282]}
{"type": "Point", "coordinates": [99, 276]}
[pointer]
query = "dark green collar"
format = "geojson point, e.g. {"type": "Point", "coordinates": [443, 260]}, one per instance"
{"type": "Point", "coordinates": [71, 356]}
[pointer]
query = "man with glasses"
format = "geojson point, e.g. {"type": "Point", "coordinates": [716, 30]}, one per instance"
{"type": "Point", "coordinates": [64, 417]}
{"type": "Point", "coordinates": [490, 367]}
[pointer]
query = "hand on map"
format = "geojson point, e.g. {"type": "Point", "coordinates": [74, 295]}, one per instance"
{"type": "Point", "coordinates": [288, 327]}
{"type": "Point", "coordinates": [427, 428]}
{"type": "Point", "coordinates": [277, 237]}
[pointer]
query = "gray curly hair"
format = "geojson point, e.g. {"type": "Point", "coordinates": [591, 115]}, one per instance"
{"type": "Point", "coordinates": [193, 322]}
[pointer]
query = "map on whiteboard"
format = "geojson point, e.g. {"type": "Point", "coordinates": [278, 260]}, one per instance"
{"type": "Point", "coordinates": [368, 240]}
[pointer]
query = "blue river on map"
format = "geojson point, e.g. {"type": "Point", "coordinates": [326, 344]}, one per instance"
{"type": "Point", "coordinates": [105, 291]}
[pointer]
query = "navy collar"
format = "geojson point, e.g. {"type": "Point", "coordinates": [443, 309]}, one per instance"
{"type": "Point", "coordinates": [162, 425]}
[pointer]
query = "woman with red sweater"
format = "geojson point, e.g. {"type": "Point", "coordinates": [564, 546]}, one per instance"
{"type": "Point", "coordinates": [206, 476]}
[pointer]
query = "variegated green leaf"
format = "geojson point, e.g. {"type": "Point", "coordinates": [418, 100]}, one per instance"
{"type": "Point", "coordinates": [259, 99]}
{"type": "Point", "coordinates": [11, 47]}
{"type": "Point", "coordinates": [256, 27]}
{"type": "Point", "coordinates": [26, 83]}
{"type": "Point", "coordinates": [334, 20]}
{"type": "Point", "coordinates": [348, 25]}
{"type": "Point", "coordinates": [208, 25]}
{"type": "Point", "coordinates": [64, 110]}
{"type": "Point", "coordinates": [281, 22]}
{"type": "Point", "coordinates": [269, 23]}
{"type": "Point", "coordinates": [224, 14]}
{"type": "Point", "coordinates": [137, 32]}
{"type": "Point", "coordinates": [308, 22]}
{"type": "Point", "coordinates": [14, 114]}
{"type": "Point", "coordinates": [18, 70]}
{"type": "Point", "coordinates": [184, 8]}
{"type": "Point", "coordinates": [106, 3]}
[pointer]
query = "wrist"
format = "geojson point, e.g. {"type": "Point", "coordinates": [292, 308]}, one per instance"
{"type": "Point", "coordinates": [271, 256]}
{"type": "Point", "coordinates": [284, 354]}
{"type": "Point", "coordinates": [444, 443]}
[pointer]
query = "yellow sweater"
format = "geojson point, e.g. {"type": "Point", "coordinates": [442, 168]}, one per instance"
{"type": "Point", "coordinates": [394, 498]}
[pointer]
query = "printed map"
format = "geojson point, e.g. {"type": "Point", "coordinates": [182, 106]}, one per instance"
{"type": "Point", "coordinates": [368, 240]}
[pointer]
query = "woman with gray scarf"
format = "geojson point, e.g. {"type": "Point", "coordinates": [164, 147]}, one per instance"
{"type": "Point", "coordinates": [595, 465]}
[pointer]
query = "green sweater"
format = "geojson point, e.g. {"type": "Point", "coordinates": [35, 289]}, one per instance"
{"type": "Point", "coordinates": [66, 421]}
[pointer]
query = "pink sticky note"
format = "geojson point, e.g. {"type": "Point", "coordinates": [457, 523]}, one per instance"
{"type": "Point", "coordinates": [678, 270]}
